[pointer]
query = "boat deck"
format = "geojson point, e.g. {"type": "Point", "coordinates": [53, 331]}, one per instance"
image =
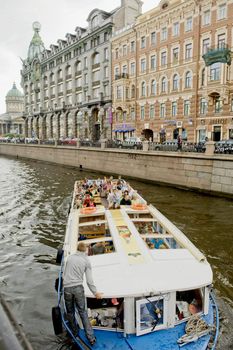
{"type": "Point", "coordinates": [160, 340]}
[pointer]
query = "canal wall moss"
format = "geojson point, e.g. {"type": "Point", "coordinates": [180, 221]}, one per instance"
{"type": "Point", "coordinates": [188, 170]}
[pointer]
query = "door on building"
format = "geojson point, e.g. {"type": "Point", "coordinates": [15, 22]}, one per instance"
{"type": "Point", "coordinates": [217, 133]}
{"type": "Point", "coordinates": [148, 134]}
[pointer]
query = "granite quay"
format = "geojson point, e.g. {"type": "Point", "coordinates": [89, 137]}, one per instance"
{"type": "Point", "coordinates": [208, 172]}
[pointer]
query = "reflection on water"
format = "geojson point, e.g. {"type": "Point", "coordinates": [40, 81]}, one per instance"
{"type": "Point", "coordinates": [34, 200]}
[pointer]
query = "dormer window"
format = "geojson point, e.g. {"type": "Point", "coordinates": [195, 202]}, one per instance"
{"type": "Point", "coordinates": [95, 21]}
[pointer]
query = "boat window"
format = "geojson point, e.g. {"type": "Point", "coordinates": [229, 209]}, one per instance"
{"type": "Point", "coordinates": [162, 243]}
{"type": "Point", "coordinates": [98, 247]}
{"type": "Point", "coordinates": [106, 313]}
{"type": "Point", "coordinates": [151, 314]}
{"type": "Point", "coordinates": [140, 216]}
{"type": "Point", "coordinates": [145, 227]}
{"type": "Point", "coordinates": [188, 303]}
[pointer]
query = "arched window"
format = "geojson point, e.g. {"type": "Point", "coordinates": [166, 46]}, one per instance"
{"type": "Point", "coordinates": [59, 74]}
{"type": "Point", "coordinates": [188, 80]}
{"type": "Point", "coordinates": [203, 77]}
{"type": "Point", "coordinates": [51, 78]}
{"type": "Point", "coordinates": [153, 87]}
{"type": "Point", "coordinates": [164, 84]}
{"type": "Point", "coordinates": [133, 91]}
{"type": "Point", "coordinates": [95, 21]}
{"type": "Point", "coordinates": [96, 58]}
{"type": "Point", "coordinates": [175, 83]}
{"type": "Point", "coordinates": [143, 89]}
{"type": "Point", "coordinates": [68, 70]}
{"type": "Point", "coordinates": [78, 66]}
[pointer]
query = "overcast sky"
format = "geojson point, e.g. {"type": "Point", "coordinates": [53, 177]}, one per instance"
{"type": "Point", "coordinates": [57, 17]}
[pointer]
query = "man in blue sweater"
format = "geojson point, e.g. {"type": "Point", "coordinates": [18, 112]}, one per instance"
{"type": "Point", "coordinates": [77, 265]}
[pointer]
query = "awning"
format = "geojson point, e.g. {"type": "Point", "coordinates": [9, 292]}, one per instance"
{"type": "Point", "coordinates": [124, 130]}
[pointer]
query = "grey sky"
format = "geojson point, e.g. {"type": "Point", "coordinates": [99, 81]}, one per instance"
{"type": "Point", "coordinates": [57, 18]}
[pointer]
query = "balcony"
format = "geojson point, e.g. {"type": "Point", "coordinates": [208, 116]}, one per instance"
{"type": "Point", "coordinates": [79, 88]}
{"type": "Point", "coordinates": [60, 94]}
{"type": "Point", "coordinates": [95, 66]}
{"type": "Point", "coordinates": [122, 76]}
{"type": "Point", "coordinates": [96, 83]}
{"type": "Point", "coordinates": [68, 77]}
{"type": "Point", "coordinates": [60, 80]}
{"type": "Point", "coordinates": [79, 72]}
{"type": "Point", "coordinates": [220, 54]}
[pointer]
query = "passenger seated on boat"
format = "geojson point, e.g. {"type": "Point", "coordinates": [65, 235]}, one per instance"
{"type": "Point", "coordinates": [87, 201]}
{"type": "Point", "coordinates": [113, 199]}
{"type": "Point", "coordinates": [125, 200]}
{"type": "Point", "coordinates": [98, 248]}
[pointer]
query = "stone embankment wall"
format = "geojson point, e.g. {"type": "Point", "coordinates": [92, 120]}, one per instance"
{"type": "Point", "coordinates": [190, 170]}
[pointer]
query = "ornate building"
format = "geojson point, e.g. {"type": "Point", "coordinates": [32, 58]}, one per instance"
{"type": "Point", "coordinates": [172, 72]}
{"type": "Point", "coordinates": [68, 87]}
{"type": "Point", "coordinates": [12, 122]}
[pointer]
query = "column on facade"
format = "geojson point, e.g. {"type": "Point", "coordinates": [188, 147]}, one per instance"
{"type": "Point", "coordinates": [29, 127]}
{"type": "Point", "coordinates": [72, 121]}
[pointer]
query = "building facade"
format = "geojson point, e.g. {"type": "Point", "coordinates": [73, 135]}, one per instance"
{"type": "Point", "coordinates": [172, 72]}
{"type": "Point", "coordinates": [68, 87]}
{"type": "Point", "coordinates": [12, 122]}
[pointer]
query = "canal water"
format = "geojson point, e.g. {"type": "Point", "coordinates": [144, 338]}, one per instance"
{"type": "Point", "coordinates": [34, 200]}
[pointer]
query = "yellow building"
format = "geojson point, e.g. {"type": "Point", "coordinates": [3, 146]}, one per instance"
{"type": "Point", "coordinates": [172, 72]}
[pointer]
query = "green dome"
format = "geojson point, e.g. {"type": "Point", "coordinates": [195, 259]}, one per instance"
{"type": "Point", "coordinates": [14, 92]}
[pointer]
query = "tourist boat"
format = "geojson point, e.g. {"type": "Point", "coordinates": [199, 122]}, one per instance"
{"type": "Point", "coordinates": [156, 284]}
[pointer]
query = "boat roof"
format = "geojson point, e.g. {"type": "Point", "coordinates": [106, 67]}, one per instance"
{"type": "Point", "coordinates": [133, 269]}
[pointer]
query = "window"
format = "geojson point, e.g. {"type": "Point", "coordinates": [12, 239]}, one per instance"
{"type": "Point", "coordinates": [117, 54]}
{"type": "Point", "coordinates": [221, 41]}
{"type": "Point", "coordinates": [96, 75]}
{"type": "Point", "coordinates": [142, 112]}
{"type": "Point", "coordinates": [78, 66]}
{"type": "Point", "coordinates": [163, 58]}
{"type": "Point", "coordinates": [188, 80]}
{"type": "Point", "coordinates": [163, 84]}
{"type": "Point", "coordinates": [232, 105]}
{"type": "Point", "coordinates": [132, 46]}
{"type": "Point", "coordinates": [174, 109]}
{"type": "Point", "coordinates": [189, 24]}
{"type": "Point", "coordinates": [106, 53]}
{"type": "Point", "coordinates": [119, 92]}
{"type": "Point", "coordinates": [79, 82]}
{"type": "Point", "coordinates": [188, 51]}
{"type": "Point", "coordinates": [95, 21]}
{"type": "Point", "coordinates": [162, 110]}
{"type": "Point", "coordinates": [153, 62]}
{"type": "Point", "coordinates": [143, 65]}
{"type": "Point", "coordinates": [203, 106]}
{"type": "Point", "coordinates": [206, 18]}
{"type": "Point", "coordinates": [106, 72]}
{"type": "Point", "coordinates": [124, 50]}
{"type": "Point", "coordinates": [106, 36]}
{"type": "Point", "coordinates": [143, 42]}
{"type": "Point", "coordinates": [218, 105]}
{"type": "Point", "coordinates": [186, 107]}
{"type": "Point", "coordinates": [175, 83]}
{"type": "Point", "coordinates": [153, 87]}
{"type": "Point", "coordinates": [96, 58]}
{"type": "Point", "coordinates": [132, 113]}
{"type": "Point", "coordinates": [117, 73]}
{"type": "Point", "coordinates": [133, 91]}
{"type": "Point", "coordinates": [175, 55]}
{"type": "Point", "coordinates": [222, 11]}
{"type": "Point", "coordinates": [85, 79]}
{"type": "Point", "coordinates": [143, 89]}
{"type": "Point", "coordinates": [176, 29]}
{"type": "Point", "coordinates": [152, 111]}
{"type": "Point", "coordinates": [125, 69]}
{"type": "Point", "coordinates": [203, 77]}
{"type": "Point", "coordinates": [85, 62]}
{"type": "Point", "coordinates": [132, 68]}
{"type": "Point", "coordinates": [205, 45]}
{"type": "Point", "coordinates": [164, 34]}
{"type": "Point", "coordinates": [215, 71]}
{"type": "Point", "coordinates": [153, 38]}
